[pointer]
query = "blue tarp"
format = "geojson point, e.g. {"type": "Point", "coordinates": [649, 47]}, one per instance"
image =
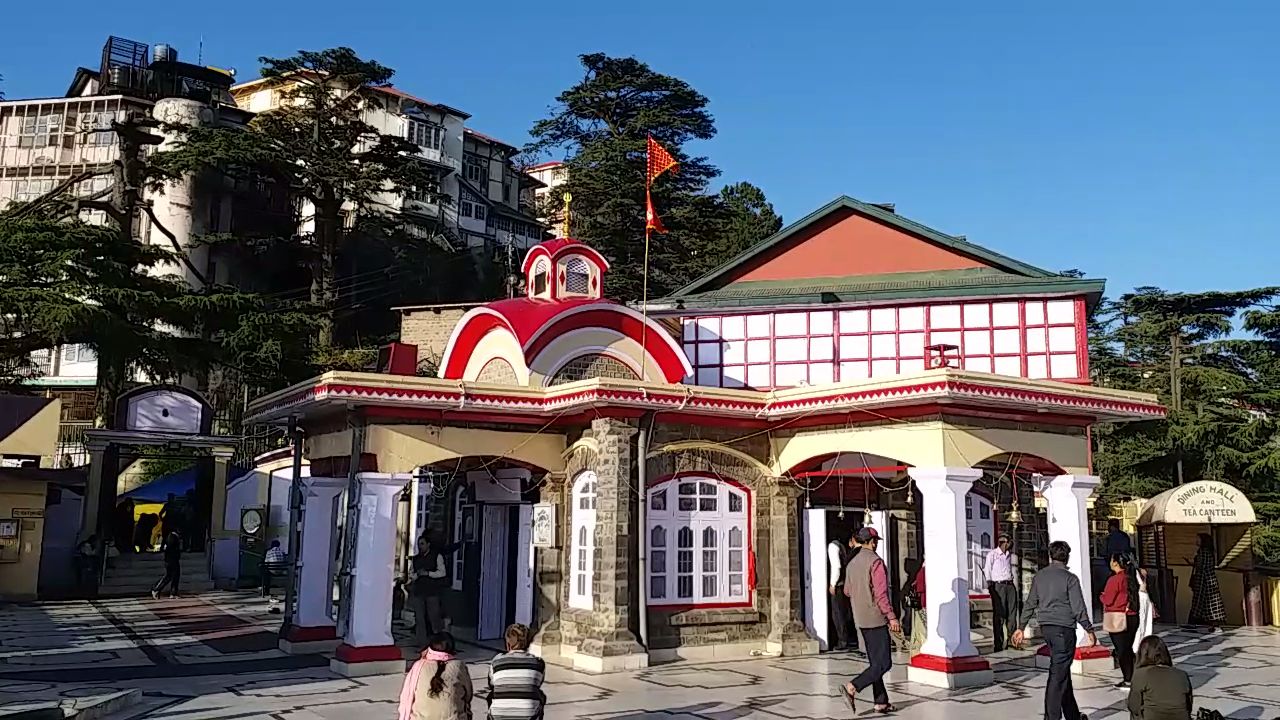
{"type": "Point", "coordinates": [177, 483]}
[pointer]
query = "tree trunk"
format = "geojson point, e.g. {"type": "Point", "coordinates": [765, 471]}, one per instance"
{"type": "Point", "coordinates": [324, 281]}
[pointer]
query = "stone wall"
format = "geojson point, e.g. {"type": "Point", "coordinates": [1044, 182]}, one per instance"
{"type": "Point", "coordinates": [429, 327]}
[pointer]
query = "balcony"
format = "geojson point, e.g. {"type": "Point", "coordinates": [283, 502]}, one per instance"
{"type": "Point", "coordinates": [440, 158]}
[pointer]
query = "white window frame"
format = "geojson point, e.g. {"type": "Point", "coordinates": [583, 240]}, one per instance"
{"type": "Point", "coordinates": [459, 557]}
{"type": "Point", "coordinates": [712, 525]}
{"type": "Point", "coordinates": [543, 268]}
{"type": "Point", "coordinates": [577, 265]}
{"type": "Point", "coordinates": [582, 542]}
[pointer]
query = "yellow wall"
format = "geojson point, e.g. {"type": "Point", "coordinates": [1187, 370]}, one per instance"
{"type": "Point", "coordinates": [404, 448]}
{"type": "Point", "coordinates": [37, 436]}
{"type": "Point", "coordinates": [19, 580]}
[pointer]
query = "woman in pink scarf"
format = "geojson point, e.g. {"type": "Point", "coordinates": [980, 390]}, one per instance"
{"type": "Point", "coordinates": [438, 686]}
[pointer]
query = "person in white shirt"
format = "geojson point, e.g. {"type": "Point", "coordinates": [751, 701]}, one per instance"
{"type": "Point", "coordinates": [998, 570]}
{"type": "Point", "coordinates": [839, 552]}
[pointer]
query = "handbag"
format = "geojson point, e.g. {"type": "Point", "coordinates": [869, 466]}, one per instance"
{"type": "Point", "coordinates": [1114, 622]}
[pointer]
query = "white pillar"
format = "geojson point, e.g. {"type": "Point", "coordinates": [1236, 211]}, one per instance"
{"type": "Point", "coordinates": [368, 648]}
{"type": "Point", "coordinates": [313, 628]}
{"type": "Point", "coordinates": [947, 658]}
{"type": "Point", "coordinates": [1067, 499]}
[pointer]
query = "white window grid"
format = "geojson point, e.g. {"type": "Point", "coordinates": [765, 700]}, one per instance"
{"type": "Point", "coordinates": [583, 543]}
{"type": "Point", "coordinates": [427, 135]}
{"type": "Point", "coordinates": [1033, 338]}
{"type": "Point", "coordinates": [577, 276]}
{"type": "Point", "coordinates": [541, 269]}
{"type": "Point", "coordinates": [698, 543]}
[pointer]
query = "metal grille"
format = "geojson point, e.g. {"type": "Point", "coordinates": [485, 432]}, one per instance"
{"type": "Point", "coordinates": [577, 277]}
{"type": "Point", "coordinates": [592, 366]}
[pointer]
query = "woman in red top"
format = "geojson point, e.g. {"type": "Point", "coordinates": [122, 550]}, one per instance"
{"type": "Point", "coordinates": [1120, 599]}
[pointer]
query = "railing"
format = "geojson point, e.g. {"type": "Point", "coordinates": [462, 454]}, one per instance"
{"type": "Point", "coordinates": [439, 156]}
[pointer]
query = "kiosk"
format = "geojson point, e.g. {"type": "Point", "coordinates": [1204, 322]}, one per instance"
{"type": "Point", "coordinates": [1168, 528]}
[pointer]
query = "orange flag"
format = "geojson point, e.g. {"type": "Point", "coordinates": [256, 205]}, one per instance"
{"type": "Point", "coordinates": [660, 161]}
{"type": "Point", "coordinates": [651, 220]}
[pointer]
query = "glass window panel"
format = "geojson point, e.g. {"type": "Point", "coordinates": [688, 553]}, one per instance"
{"type": "Point", "coordinates": [684, 587]}
{"type": "Point", "coordinates": [853, 347]}
{"type": "Point", "coordinates": [911, 344]}
{"type": "Point", "coordinates": [1062, 338]}
{"type": "Point", "coordinates": [709, 586]}
{"type": "Point", "coordinates": [708, 328]}
{"type": "Point", "coordinates": [708, 561]}
{"type": "Point", "coordinates": [735, 505]}
{"type": "Point", "coordinates": [658, 537]}
{"type": "Point", "coordinates": [658, 560]}
{"type": "Point", "coordinates": [977, 315]}
{"type": "Point", "coordinates": [1060, 312]}
{"type": "Point", "coordinates": [790, 375]}
{"type": "Point", "coordinates": [789, 324]}
{"type": "Point", "coordinates": [709, 537]}
{"type": "Point", "coordinates": [658, 587]}
{"type": "Point", "coordinates": [735, 586]}
{"type": "Point", "coordinates": [736, 351]}
{"type": "Point", "coordinates": [758, 376]}
{"type": "Point", "coordinates": [1011, 366]}
{"type": "Point", "coordinates": [733, 327]}
{"type": "Point", "coordinates": [706, 488]}
{"type": "Point", "coordinates": [821, 373]}
{"type": "Point", "coordinates": [735, 376]}
{"type": "Point", "coordinates": [978, 364]}
{"type": "Point", "coordinates": [884, 319]}
{"type": "Point", "coordinates": [820, 323]}
{"type": "Point", "coordinates": [884, 346]}
{"type": "Point", "coordinates": [911, 365]}
{"type": "Point", "coordinates": [1004, 314]}
{"type": "Point", "coordinates": [735, 561]}
{"type": "Point", "coordinates": [758, 351]}
{"type": "Point", "coordinates": [706, 504]}
{"type": "Point", "coordinates": [687, 488]}
{"type": "Point", "coordinates": [735, 537]}
{"type": "Point", "coordinates": [944, 316]}
{"type": "Point", "coordinates": [1037, 367]}
{"type": "Point", "coordinates": [854, 321]}
{"type": "Point", "coordinates": [945, 338]}
{"type": "Point", "coordinates": [1006, 342]}
{"type": "Point", "coordinates": [684, 561]}
{"type": "Point", "coordinates": [582, 584]}
{"type": "Point", "coordinates": [854, 370]}
{"type": "Point", "coordinates": [1063, 366]}
{"type": "Point", "coordinates": [709, 353]}
{"type": "Point", "coordinates": [821, 348]}
{"type": "Point", "coordinates": [658, 500]}
{"type": "Point", "coordinates": [1035, 340]}
{"type": "Point", "coordinates": [709, 376]}
{"type": "Point", "coordinates": [690, 331]}
{"type": "Point", "coordinates": [884, 368]}
{"type": "Point", "coordinates": [977, 342]}
{"type": "Point", "coordinates": [686, 504]}
{"type": "Point", "coordinates": [1035, 312]}
{"type": "Point", "coordinates": [757, 326]}
{"type": "Point", "coordinates": [789, 349]}
{"type": "Point", "coordinates": [911, 318]}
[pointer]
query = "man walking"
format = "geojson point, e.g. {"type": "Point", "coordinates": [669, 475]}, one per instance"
{"type": "Point", "coordinates": [1057, 602]}
{"type": "Point", "coordinates": [1004, 595]}
{"type": "Point", "coordinates": [867, 585]}
{"type": "Point", "coordinates": [172, 566]}
{"type": "Point", "coordinates": [839, 552]}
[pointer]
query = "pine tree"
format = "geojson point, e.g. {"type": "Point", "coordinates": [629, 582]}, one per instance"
{"type": "Point", "coordinates": [317, 144]}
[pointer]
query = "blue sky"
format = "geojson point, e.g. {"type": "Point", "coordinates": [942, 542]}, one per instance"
{"type": "Point", "coordinates": [1136, 141]}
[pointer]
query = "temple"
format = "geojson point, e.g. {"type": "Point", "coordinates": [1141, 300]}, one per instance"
{"type": "Point", "coordinates": [643, 484]}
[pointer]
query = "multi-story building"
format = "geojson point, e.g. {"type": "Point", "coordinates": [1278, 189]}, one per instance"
{"type": "Point", "coordinates": [550, 176]}
{"type": "Point", "coordinates": [48, 141]}
{"type": "Point", "coordinates": [473, 202]}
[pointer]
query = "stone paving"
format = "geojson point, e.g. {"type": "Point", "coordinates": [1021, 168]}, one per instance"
{"type": "Point", "coordinates": [212, 658]}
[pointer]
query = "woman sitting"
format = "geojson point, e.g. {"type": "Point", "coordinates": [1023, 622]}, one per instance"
{"type": "Point", "coordinates": [1160, 691]}
{"type": "Point", "coordinates": [438, 686]}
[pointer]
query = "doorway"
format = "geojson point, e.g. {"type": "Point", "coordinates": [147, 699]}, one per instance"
{"type": "Point", "coordinates": [821, 527]}
{"type": "Point", "coordinates": [506, 569]}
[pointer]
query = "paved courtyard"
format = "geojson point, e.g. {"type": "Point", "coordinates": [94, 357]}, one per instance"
{"type": "Point", "coordinates": [214, 658]}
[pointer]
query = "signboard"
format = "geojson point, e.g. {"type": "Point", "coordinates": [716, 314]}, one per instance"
{"type": "Point", "coordinates": [29, 513]}
{"type": "Point", "coordinates": [1203, 502]}
{"type": "Point", "coordinates": [544, 525]}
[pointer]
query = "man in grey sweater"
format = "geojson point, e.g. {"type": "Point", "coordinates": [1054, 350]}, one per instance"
{"type": "Point", "coordinates": [866, 582]}
{"type": "Point", "coordinates": [1057, 602]}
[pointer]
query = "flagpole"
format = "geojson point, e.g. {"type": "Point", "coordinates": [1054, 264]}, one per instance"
{"type": "Point", "coordinates": [644, 305]}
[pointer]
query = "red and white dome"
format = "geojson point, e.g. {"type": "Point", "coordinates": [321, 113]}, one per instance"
{"type": "Point", "coordinates": [562, 318]}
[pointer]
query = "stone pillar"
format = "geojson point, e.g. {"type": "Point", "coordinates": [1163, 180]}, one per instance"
{"type": "Point", "coordinates": [948, 658]}
{"type": "Point", "coordinates": [609, 644]}
{"type": "Point", "coordinates": [93, 493]}
{"type": "Point", "coordinates": [368, 648]}
{"type": "Point", "coordinates": [219, 540]}
{"type": "Point", "coordinates": [549, 579]}
{"type": "Point", "coordinates": [787, 635]}
{"type": "Point", "coordinates": [314, 628]}
{"type": "Point", "coordinates": [1067, 499]}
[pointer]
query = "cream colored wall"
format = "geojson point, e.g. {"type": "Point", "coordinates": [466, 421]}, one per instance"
{"type": "Point", "coordinates": [20, 580]}
{"type": "Point", "coordinates": [497, 343]}
{"type": "Point", "coordinates": [404, 448]}
{"type": "Point", "coordinates": [931, 444]}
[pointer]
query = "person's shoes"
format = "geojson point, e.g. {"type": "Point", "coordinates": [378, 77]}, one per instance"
{"type": "Point", "coordinates": [1122, 684]}
{"type": "Point", "coordinates": [155, 595]}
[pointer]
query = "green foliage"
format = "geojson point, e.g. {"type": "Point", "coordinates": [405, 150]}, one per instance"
{"type": "Point", "coordinates": [63, 281]}
{"type": "Point", "coordinates": [317, 146]}
{"type": "Point", "coordinates": [601, 124]}
{"type": "Point", "coordinates": [1229, 393]}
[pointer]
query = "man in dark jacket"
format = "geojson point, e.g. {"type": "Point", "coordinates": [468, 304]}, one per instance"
{"type": "Point", "coordinates": [172, 565]}
{"type": "Point", "coordinates": [1057, 602]}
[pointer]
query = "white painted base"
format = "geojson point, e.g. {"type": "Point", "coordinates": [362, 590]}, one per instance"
{"type": "Point", "coordinates": [735, 651]}
{"type": "Point", "coordinates": [364, 669]}
{"type": "Point", "coordinates": [950, 681]}
{"type": "Point", "coordinates": [1096, 666]}
{"type": "Point", "coordinates": [309, 647]}
{"type": "Point", "coordinates": [613, 663]}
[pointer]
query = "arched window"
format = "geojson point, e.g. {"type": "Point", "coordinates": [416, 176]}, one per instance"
{"type": "Point", "coordinates": [710, 520]}
{"type": "Point", "coordinates": [582, 557]}
{"type": "Point", "coordinates": [541, 269]}
{"type": "Point", "coordinates": [577, 276]}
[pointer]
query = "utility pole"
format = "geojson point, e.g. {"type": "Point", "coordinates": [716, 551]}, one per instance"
{"type": "Point", "coordinates": [1175, 385]}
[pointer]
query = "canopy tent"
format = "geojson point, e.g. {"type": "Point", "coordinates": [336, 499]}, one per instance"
{"type": "Point", "coordinates": [1199, 503]}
